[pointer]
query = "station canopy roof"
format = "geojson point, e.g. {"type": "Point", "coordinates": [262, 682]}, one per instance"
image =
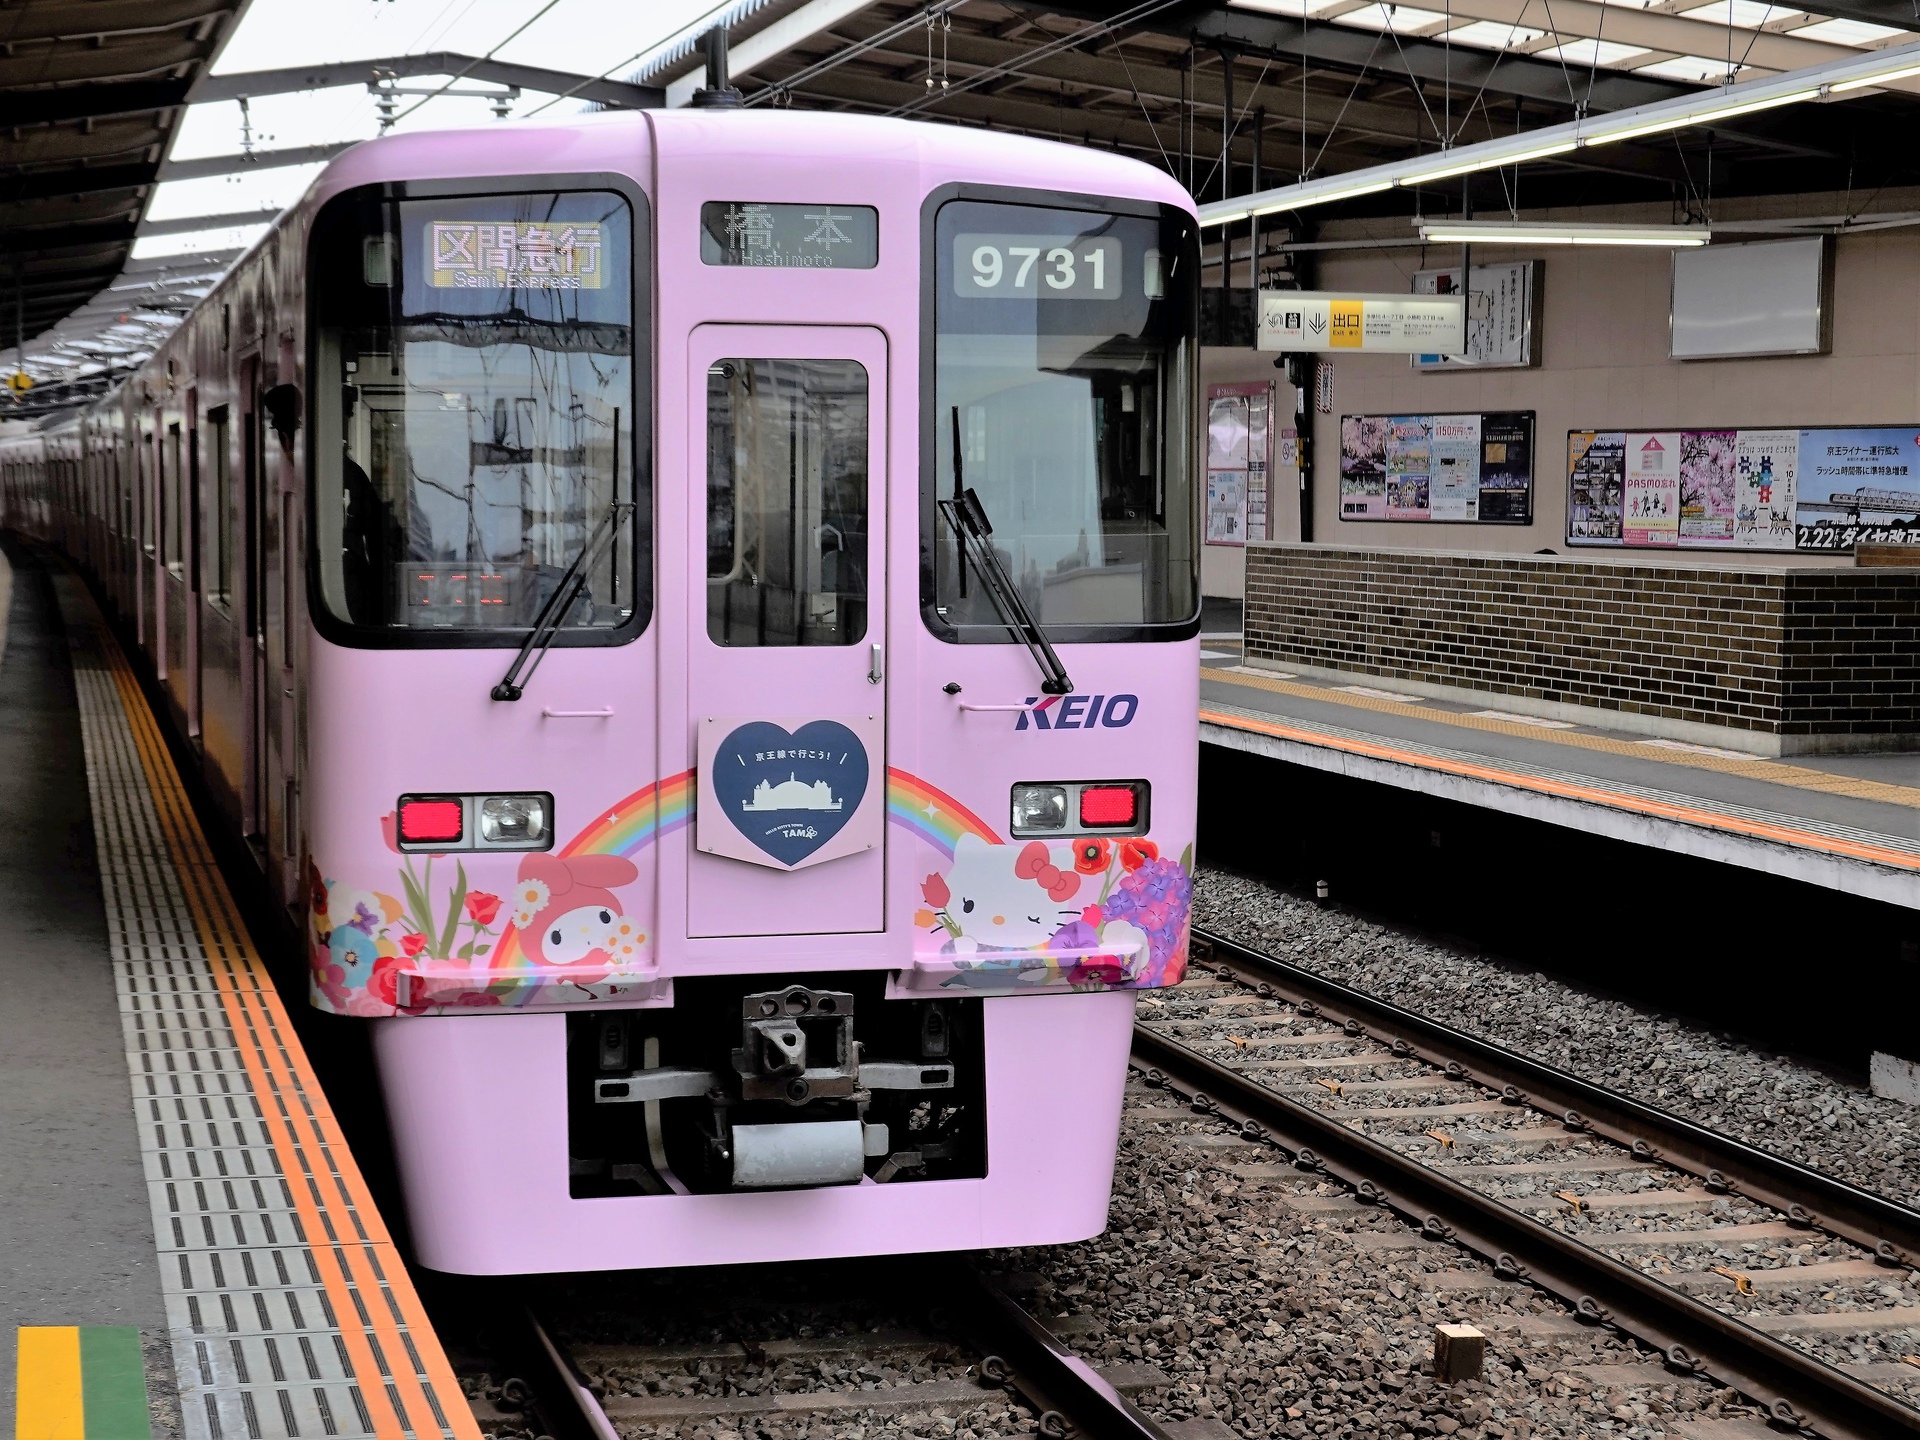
{"type": "Point", "coordinates": [152, 140]}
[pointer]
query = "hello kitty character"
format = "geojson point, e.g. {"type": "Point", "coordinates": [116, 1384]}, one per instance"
{"type": "Point", "coordinates": [1006, 897]}
{"type": "Point", "coordinates": [567, 914]}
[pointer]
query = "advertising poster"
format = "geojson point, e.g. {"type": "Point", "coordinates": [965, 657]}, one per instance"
{"type": "Point", "coordinates": [1506, 468]}
{"type": "Point", "coordinates": [1259, 448]}
{"type": "Point", "coordinates": [1857, 487]}
{"type": "Point", "coordinates": [1409, 466]}
{"type": "Point", "coordinates": [1455, 493]}
{"type": "Point", "coordinates": [1596, 470]}
{"type": "Point", "coordinates": [1765, 465]}
{"type": "Point", "coordinates": [1458, 469]}
{"type": "Point", "coordinates": [1363, 467]}
{"type": "Point", "coordinates": [1706, 486]}
{"type": "Point", "coordinates": [1237, 435]}
{"type": "Point", "coordinates": [1652, 510]}
{"type": "Point", "coordinates": [1226, 507]}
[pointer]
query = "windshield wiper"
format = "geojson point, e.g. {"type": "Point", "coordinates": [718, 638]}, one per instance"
{"type": "Point", "coordinates": [969, 521]}
{"type": "Point", "coordinates": [546, 624]}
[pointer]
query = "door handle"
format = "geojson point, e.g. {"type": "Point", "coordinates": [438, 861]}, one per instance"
{"type": "Point", "coordinates": [875, 672]}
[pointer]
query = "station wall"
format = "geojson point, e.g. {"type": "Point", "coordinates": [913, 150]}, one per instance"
{"type": "Point", "coordinates": [1604, 364]}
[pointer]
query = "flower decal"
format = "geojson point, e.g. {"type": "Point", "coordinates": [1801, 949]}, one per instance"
{"type": "Point", "coordinates": [482, 907]}
{"type": "Point", "coordinates": [413, 944]}
{"type": "Point", "coordinates": [935, 891]}
{"type": "Point", "coordinates": [1135, 853]}
{"type": "Point", "coordinates": [1091, 856]}
{"type": "Point", "coordinates": [530, 897]}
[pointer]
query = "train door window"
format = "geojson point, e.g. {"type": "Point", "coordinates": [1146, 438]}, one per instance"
{"type": "Point", "coordinates": [786, 502]}
{"type": "Point", "coordinates": [195, 507]}
{"type": "Point", "coordinates": [219, 437]}
{"type": "Point", "coordinates": [479, 437]}
{"type": "Point", "coordinates": [172, 462]}
{"type": "Point", "coordinates": [142, 495]}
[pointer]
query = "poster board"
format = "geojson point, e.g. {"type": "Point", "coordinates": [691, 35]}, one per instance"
{"type": "Point", "coordinates": [1826, 488]}
{"type": "Point", "coordinates": [1474, 469]}
{"type": "Point", "coordinates": [1240, 439]}
{"type": "Point", "coordinates": [1503, 310]}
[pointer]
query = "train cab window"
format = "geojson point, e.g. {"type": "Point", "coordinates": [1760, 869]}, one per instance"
{"type": "Point", "coordinates": [786, 502]}
{"type": "Point", "coordinates": [1064, 368]}
{"type": "Point", "coordinates": [477, 437]}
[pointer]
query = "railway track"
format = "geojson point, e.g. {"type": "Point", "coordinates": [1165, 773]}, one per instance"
{"type": "Point", "coordinates": [1795, 1290]}
{"type": "Point", "coordinates": [768, 1359]}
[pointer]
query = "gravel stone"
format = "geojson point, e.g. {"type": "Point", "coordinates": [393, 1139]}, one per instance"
{"type": "Point", "coordinates": [1770, 1101]}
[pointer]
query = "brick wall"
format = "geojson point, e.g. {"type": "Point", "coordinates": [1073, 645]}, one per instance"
{"type": "Point", "coordinates": [1784, 652]}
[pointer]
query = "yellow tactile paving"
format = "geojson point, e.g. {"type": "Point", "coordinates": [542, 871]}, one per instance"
{"type": "Point", "coordinates": [393, 1345]}
{"type": "Point", "coordinates": [1774, 772]}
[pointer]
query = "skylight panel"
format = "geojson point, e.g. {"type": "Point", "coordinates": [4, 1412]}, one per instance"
{"type": "Point", "coordinates": [1847, 32]}
{"type": "Point", "coordinates": [1401, 19]}
{"type": "Point", "coordinates": [1494, 35]}
{"type": "Point", "coordinates": [1295, 8]}
{"type": "Point", "coordinates": [1592, 52]}
{"type": "Point", "coordinates": [1745, 14]}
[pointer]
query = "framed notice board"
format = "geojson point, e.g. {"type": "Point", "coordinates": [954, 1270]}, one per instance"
{"type": "Point", "coordinates": [1452, 469]}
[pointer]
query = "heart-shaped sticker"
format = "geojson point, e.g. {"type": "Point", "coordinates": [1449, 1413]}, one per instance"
{"type": "Point", "coordinates": [790, 791]}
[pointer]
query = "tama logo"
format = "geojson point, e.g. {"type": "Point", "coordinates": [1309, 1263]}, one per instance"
{"type": "Point", "coordinates": [1078, 712]}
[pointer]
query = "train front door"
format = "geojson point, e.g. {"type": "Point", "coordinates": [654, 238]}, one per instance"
{"type": "Point", "coordinates": [786, 629]}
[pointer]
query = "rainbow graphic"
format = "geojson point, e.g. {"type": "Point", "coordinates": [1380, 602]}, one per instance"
{"type": "Point", "coordinates": [935, 816]}
{"type": "Point", "coordinates": [637, 821]}
{"type": "Point", "coordinates": [657, 810]}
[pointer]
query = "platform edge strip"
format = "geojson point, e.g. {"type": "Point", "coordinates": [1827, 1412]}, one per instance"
{"type": "Point", "coordinates": [278, 1072]}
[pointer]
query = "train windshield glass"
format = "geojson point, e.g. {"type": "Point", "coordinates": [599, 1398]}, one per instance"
{"type": "Point", "coordinates": [474, 414]}
{"type": "Point", "coordinates": [1063, 397]}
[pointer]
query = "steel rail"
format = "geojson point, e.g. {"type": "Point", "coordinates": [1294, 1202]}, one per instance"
{"type": "Point", "coordinates": [1795, 1389]}
{"type": "Point", "coordinates": [1018, 1354]}
{"type": "Point", "coordinates": [1068, 1392]}
{"type": "Point", "coordinates": [1804, 1196]}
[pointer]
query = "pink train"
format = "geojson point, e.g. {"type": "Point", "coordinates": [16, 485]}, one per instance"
{"type": "Point", "coordinates": [695, 615]}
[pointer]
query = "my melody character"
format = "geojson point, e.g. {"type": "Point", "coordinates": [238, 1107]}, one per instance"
{"type": "Point", "coordinates": [1006, 897]}
{"type": "Point", "coordinates": [567, 914]}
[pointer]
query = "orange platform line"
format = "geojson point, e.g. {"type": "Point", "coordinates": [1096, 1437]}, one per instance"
{"type": "Point", "coordinates": [278, 1069]}
{"type": "Point", "coordinates": [1594, 794]}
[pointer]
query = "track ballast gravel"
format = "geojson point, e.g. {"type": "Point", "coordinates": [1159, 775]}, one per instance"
{"type": "Point", "coordinates": [1770, 1101]}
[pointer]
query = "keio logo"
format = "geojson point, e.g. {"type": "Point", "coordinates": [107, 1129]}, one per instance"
{"type": "Point", "coordinates": [1078, 712]}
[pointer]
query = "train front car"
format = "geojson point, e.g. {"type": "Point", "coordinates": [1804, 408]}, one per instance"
{"type": "Point", "coordinates": [786, 894]}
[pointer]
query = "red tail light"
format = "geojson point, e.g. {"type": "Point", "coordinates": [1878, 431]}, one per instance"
{"type": "Point", "coordinates": [425, 820]}
{"type": "Point", "coordinates": [1108, 805]}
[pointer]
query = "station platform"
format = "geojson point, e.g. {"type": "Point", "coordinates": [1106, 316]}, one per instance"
{"type": "Point", "coordinates": [1846, 822]}
{"type": "Point", "coordinates": [187, 1247]}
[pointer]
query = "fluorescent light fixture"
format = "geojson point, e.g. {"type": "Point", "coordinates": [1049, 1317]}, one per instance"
{"type": "Point", "coordinates": [1708, 115]}
{"type": "Point", "coordinates": [1843, 86]}
{"type": "Point", "coordinates": [1501, 232]}
{"type": "Point", "coordinates": [1325, 197]}
{"type": "Point", "coordinates": [1487, 163]}
{"type": "Point", "coordinates": [1709, 107]}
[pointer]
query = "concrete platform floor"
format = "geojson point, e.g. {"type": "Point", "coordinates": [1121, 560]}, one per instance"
{"type": "Point", "coordinates": [76, 1231]}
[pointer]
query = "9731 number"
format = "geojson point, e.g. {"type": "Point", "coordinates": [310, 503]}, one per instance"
{"type": "Point", "coordinates": [1033, 266]}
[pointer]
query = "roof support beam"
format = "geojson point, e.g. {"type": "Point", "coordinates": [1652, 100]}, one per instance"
{"type": "Point", "coordinates": [259, 160]}
{"type": "Point", "coordinates": [194, 224]}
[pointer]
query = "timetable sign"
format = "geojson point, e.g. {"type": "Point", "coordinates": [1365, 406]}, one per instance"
{"type": "Point", "coordinates": [789, 237]}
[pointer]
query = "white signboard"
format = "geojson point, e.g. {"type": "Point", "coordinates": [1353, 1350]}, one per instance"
{"type": "Point", "coordinates": [1500, 316]}
{"type": "Point", "coordinates": [1304, 320]}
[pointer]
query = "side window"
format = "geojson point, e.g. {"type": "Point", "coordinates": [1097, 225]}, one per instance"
{"type": "Point", "coordinates": [220, 467]}
{"type": "Point", "coordinates": [786, 502]}
{"type": "Point", "coordinates": [172, 463]}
